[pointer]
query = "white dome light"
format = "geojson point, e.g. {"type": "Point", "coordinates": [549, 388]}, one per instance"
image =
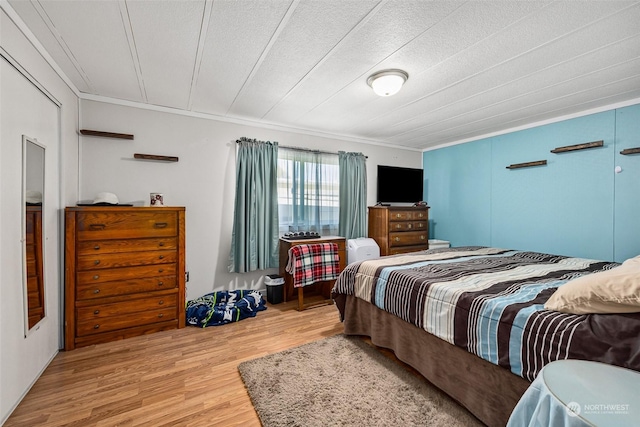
{"type": "Point", "coordinates": [387, 82]}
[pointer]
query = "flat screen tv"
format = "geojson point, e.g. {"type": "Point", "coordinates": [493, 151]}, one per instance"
{"type": "Point", "coordinates": [399, 185]}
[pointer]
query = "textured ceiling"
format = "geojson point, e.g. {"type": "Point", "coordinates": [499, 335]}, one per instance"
{"type": "Point", "coordinates": [475, 67]}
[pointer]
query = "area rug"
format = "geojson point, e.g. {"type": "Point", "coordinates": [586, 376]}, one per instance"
{"type": "Point", "coordinates": [343, 381]}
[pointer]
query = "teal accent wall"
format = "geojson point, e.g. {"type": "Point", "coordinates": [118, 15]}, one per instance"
{"type": "Point", "coordinates": [575, 205]}
{"type": "Point", "coordinates": [627, 185]}
{"type": "Point", "coordinates": [459, 179]}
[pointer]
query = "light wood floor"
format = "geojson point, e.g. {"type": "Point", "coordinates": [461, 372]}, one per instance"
{"type": "Point", "coordinates": [185, 377]}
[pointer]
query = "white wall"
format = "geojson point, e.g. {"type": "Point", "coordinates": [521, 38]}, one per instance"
{"type": "Point", "coordinates": [203, 180]}
{"type": "Point", "coordinates": [24, 109]}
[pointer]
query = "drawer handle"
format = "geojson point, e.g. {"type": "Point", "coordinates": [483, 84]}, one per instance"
{"type": "Point", "coordinates": [420, 215]}
{"type": "Point", "coordinates": [160, 283]}
{"type": "Point", "coordinates": [161, 244]}
{"type": "Point", "coordinates": [96, 326]}
{"type": "Point", "coordinates": [160, 315]}
{"type": "Point", "coordinates": [96, 247]}
{"type": "Point", "coordinates": [97, 291]}
{"type": "Point", "coordinates": [397, 239]}
{"type": "Point", "coordinates": [421, 237]}
{"type": "Point", "coordinates": [161, 224]}
{"type": "Point", "coordinates": [160, 270]}
{"type": "Point", "coordinates": [161, 302]}
{"type": "Point", "coordinates": [398, 226]}
{"type": "Point", "coordinates": [96, 277]}
{"type": "Point", "coordinates": [96, 312]}
{"type": "Point", "coordinates": [96, 262]}
{"type": "Point", "coordinates": [409, 226]}
{"type": "Point", "coordinates": [398, 215]}
{"type": "Point", "coordinates": [161, 257]}
{"type": "Point", "coordinates": [97, 226]}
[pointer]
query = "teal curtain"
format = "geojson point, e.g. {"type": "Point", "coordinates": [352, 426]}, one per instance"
{"type": "Point", "coordinates": [353, 195]}
{"type": "Point", "coordinates": [254, 242]}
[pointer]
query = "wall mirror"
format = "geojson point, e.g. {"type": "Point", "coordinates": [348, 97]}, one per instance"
{"type": "Point", "coordinates": [33, 162]}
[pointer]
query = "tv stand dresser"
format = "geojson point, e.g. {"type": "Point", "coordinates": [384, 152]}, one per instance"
{"type": "Point", "coordinates": [399, 229]}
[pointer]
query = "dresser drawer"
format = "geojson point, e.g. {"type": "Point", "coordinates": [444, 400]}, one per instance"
{"type": "Point", "coordinates": [29, 226]}
{"type": "Point", "coordinates": [421, 214]}
{"type": "Point", "coordinates": [146, 317]}
{"type": "Point", "coordinates": [33, 294]}
{"type": "Point", "coordinates": [125, 225]}
{"type": "Point", "coordinates": [408, 226]}
{"type": "Point", "coordinates": [31, 254]}
{"type": "Point", "coordinates": [96, 262]}
{"type": "Point", "coordinates": [405, 249]}
{"type": "Point", "coordinates": [126, 245]}
{"type": "Point", "coordinates": [398, 215]}
{"type": "Point", "coordinates": [408, 238]}
{"type": "Point", "coordinates": [132, 306]}
{"type": "Point", "coordinates": [407, 215]}
{"type": "Point", "coordinates": [31, 267]}
{"type": "Point", "coordinates": [126, 273]}
{"type": "Point", "coordinates": [124, 287]}
{"type": "Point", "coordinates": [420, 225]}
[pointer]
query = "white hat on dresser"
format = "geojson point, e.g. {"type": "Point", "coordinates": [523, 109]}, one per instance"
{"type": "Point", "coordinates": [105, 198]}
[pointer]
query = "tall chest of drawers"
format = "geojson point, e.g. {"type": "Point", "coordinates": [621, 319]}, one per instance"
{"type": "Point", "coordinates": [398, 229]}
{"type": "Point", "coordinates": [124, 272]}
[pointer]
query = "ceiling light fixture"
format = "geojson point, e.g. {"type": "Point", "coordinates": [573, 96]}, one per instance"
{"type": "Point", "coordinates": [387, 82]}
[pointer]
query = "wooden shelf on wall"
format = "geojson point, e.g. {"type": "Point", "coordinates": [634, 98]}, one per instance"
{"type": "Point", "coordinates": [577, 147]}
{"type": "Point", "coordinates": [527, 164]}
{"type": "Point", "coordinates": [88, 132]}
{"type": "Point", "coordinates": [155, 157]}
{"type": "Point", "coordinates": [628, 151]}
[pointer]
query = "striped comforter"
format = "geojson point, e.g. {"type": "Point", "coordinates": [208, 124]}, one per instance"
{"type": "Point", "coordinates": [490, 302]}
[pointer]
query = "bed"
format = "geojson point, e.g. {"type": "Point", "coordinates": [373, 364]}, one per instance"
{"type": "Point", "coordinates": [472, 320]}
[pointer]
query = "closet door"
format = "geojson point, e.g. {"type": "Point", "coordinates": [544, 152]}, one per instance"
{"type": "Point", "coordinates": [627, 184]}
{"type": "Point", "coordinates": [25, 110]}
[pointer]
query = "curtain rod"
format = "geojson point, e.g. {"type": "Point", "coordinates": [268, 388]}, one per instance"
{"type": "Point", "coordinates": [309, 150]}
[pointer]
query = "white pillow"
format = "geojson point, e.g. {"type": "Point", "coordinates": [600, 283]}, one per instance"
{"type": "Point", "coordinates": [611, 291]}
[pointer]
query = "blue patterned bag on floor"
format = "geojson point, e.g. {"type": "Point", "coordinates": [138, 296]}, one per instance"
{"type": "Point", "coordinates": [219, 308]}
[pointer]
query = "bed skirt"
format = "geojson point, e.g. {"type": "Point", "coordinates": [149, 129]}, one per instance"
{"type": "Point", "coordinates": [486, 390]}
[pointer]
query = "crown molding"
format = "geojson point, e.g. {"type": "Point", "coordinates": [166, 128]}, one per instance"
{"type": "Point", "coordinates": [608, 107]}
{"type": "Point", "coordinates": [240, 121]}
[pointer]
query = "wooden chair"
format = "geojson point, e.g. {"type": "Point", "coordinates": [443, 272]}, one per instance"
{"type": "Point", "coordinates": [320, 265]}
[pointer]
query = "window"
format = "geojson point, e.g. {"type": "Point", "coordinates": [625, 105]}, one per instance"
{"type": "Point", "coordinates": [308, 191]}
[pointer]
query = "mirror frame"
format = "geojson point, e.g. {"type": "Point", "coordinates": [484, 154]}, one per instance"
{"type": "Point", "coordinates": [25, 148]}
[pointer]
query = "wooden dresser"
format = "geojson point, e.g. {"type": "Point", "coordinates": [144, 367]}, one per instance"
{"type": "Point", "coordinates": [399, 229]}
{"type": "Point", "coordinates": [124, 272]}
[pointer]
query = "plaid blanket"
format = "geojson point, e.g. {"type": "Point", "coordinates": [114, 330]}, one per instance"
{"type": "Point", "coordinates": [313, 262]}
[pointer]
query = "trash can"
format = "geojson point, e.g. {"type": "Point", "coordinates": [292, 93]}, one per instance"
{"type": "Point", "coordinates": [275, 288]}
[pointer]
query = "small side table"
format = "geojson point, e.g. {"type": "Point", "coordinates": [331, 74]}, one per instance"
{"type": "Point", "coordinates": [580, 393]}
{"type": "Point", "coordinates": [322, 288]}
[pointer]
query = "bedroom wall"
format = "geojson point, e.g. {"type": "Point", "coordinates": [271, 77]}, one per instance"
{"type": "Point", "coordinates": [203, 180]}
{"type": "Point", "coordinates": [575, 205]}
{"type": "Point", "coordinates": [25, 110]}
